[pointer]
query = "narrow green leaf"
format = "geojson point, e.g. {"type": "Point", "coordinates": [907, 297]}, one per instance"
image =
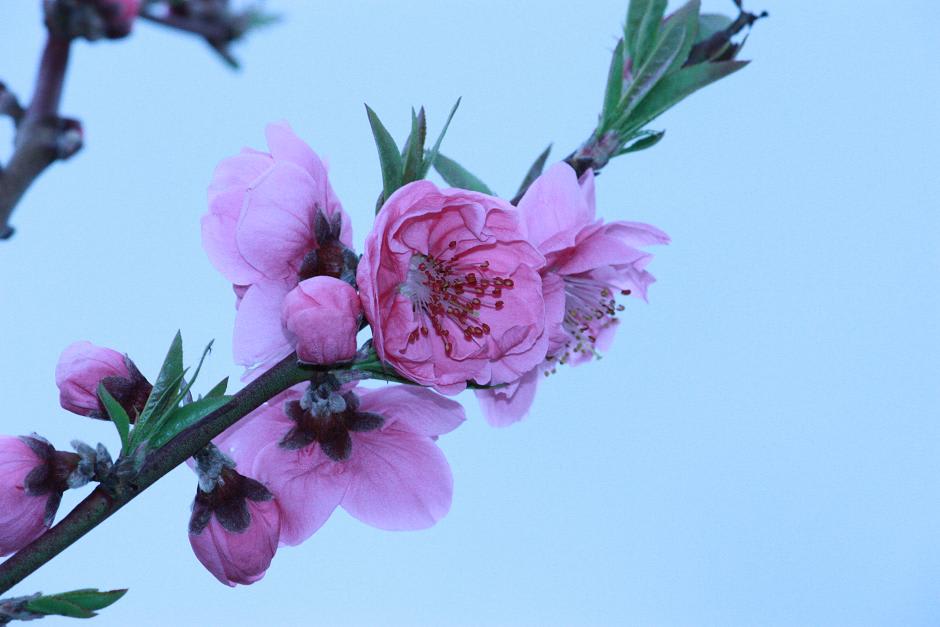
{"type": "Point", "coordinates": [170, 375]}
{"type": "Point", "coordinates": [117, 414]}
{"type": "Point", "coordinates": [458, 176]}
{"type": "Point", "coordinates": [534, 172]}
{"type": "Point", "coordinates": [647, 139]}
{"type": "Point", "coordinates": [677, 86]}
{"type": "Point", "coordinates": [186, 388]}
{"type": "Point", "coordinates": [218, 389]}
{"type": "Point", "coordinates": [57, 607]}
{"type": "Point", "coordinates": [655, 67]}
{"type": "Point", "coordinates": [614, 89]}
{"type": "Point", "coordinates": [157, 411]}
{"type": "Point", "coordinates": [643, 18]}
{"type": "Point", "coordinates": [413, 152]}
{"type": "Point", "coordinates": [686, 20]}
{"type": "Point", "coordinates": [431, 157]}
{"type": "Point", "coordinates": [647, 33]}
{"type": "Point", "coordinates": [182, 417]}
{"type": "Point", "coordinates": [91, 598]}
{"type": "Point", "coordinates": [389, 156]}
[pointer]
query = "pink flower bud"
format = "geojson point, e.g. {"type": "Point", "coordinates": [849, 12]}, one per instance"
{"type": "Point", "coordinates": [321, 315]}
{"type": "Point", "coordinates": [235, 529]}
{"type": "Point", "coordinates": [82, 366]}
{"type": "Point", "coordinates": [33, 476]}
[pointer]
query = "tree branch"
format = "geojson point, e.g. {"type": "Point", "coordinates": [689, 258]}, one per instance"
{"type": "Point", "coordinates": [111, 496]}
{"type": "Point", "coordinates": [41, 136]}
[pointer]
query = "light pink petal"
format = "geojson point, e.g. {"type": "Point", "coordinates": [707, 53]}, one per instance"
{"type": "Point", "coordinates": [259, 336]}
{"type": "Point", "coordinates": [510, 404]}
{"type": "Point", "coordinates": [414, 409]}
{"type": "Point", "coordinates": [554, 209]}
{"type": "Point", "coordinates": [275, 230]}
{"type": "Point", "coordinates": [400, 481]}
{"type": "Point", "coordinates": [240, 558]}
{"type": "Point", "coordinates": [307, 484]}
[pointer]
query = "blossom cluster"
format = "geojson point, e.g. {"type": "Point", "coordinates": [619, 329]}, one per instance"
{"type": "Point", "coordinates": [454, 288]}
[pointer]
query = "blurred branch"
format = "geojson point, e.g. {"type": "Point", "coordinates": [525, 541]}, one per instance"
{"type": "Point", "coordinates": [42, 136]}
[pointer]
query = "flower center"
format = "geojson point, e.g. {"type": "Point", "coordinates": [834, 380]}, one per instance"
{"type": "Point", "coordinates": [328, 424]}
{"type": "Point", "coordinates": [590, 307]}
{"type": "Point", "coordinates": [448, 288]}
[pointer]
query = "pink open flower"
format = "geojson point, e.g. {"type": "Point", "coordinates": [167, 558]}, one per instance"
{"type": "Point", "coordinates": [234, 528]}
{"type": "Point", "coordinates": [321, 317]}
{"type": "Point", "coordinates": [273, 221]}
{"type": "Point", "coordinates": [33, 476]}
{"type": "Point", "coordinates": [82, 366]}
{"type": "Point", "coordinates": [371, 451]}
{"type": "Point", "coordinates": [452, 288]}
{"type": "Point", "coordinates": [596, 263]}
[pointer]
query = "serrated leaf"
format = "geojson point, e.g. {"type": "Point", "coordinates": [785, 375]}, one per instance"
{"type": "Point", "coordinates": [648, 139]}
{"type": "Point", "coordinates": [413, 152]}
{"type": "Point", "coordinates": [182, 417]}
{"type": "Point", "coordinates": [457, 176]}
{"type": "Point", "coordinates": [171, 373]}
{"type": "Point", "coordinates": [677, 86]}
{"type": "Point", "coordinates": [642, 30]}
{"type": "Point", "coordinates": [431, 157]}
{"type": "Point", "coordinates": [91, 598]}
{"type": "Point", "coordinates": [614, 89]}
{"type": "Point", "coordinates": [711, 23]}
{"type": "Point", "coordinates": [534, 171]}
{"type": "Point", "coordinates": [218, 389]}
{"type": "Point", "coordinates": [117, 414]}
{"type": "Point", "coordinates": [389, 156]}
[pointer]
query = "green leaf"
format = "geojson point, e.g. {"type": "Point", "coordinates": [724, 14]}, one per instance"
{"type": "Point", "coordinates": [166, 405]}
{"type": "Point", "coordinates": [677, 86]}
{"type": "Point", "coordinates": [535, 171]}
{"type": "Point", "coordinates": [660, 59]}
{"type": "Point", "coordinates": [710, 24]}
{"type": "Point", "coordinates": [389, 157]}
{"type": "Point", "coordinates": [117, 414]}
{"type": "Point", "coordinates": [432, 154]}
{"type": "Point", "coordinates": [181, 417]}
{"type": "Point", "coordinates": [642, 28]}
{"type": "Point", "coordinates": [458, 176]}
{"type": "Point", "coordinates": [413, 152]}
{"type": "Point", "coordinates": [686, 20]}
{"type": "Point", "coordinates": [614, 89]}
{"type": "Point", "coordinates": [171, 373]}
{"type": "Point", "coordinates": [218, 389]}
{"type": "Point", "coordinates": [74, 604]}
{"type": "Point", "coordinates": [647, 139]}
{"type": "Point", "coordinates": [57, 607]}
{"type": "Point", "coordinates": [91, 598]}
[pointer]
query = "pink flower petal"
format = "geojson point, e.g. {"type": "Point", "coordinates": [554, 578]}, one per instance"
{"type": "Point", "coordinates": [400, 481]}
{"type": "Point", "coordinates": [414, 409]}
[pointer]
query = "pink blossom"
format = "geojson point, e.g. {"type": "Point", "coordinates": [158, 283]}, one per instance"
{"type": "Point", "coordinates": [452, 288]}
{"type": "Point", "coordinates": [321, 316]}
{"type": "Point", "coordinates": [82, 366]}
{"type": "Point", "coordinates": [371, 451]}
{"type": "Point", "coordinates": [31, 486]}
{"type": "Point", "coordinates": [273, 221]}
{"type": "Point", "coordinates": [595, 261]}
{"type": "Point", "coordinates": [234, 529]}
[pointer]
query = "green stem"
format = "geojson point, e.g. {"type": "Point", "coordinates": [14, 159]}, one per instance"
{"type": "Point", "coordinates": [102, 502]}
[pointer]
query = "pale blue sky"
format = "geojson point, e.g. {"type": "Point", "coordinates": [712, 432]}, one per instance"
{"type": "Point", "coordinates": [761, 446]}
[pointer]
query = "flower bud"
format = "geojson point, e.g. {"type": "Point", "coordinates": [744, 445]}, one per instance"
{"type": "Point", "coordinates": [82, 366]}
{"type": "Point", "coordinates": [321, 316]}
{"type": "Point", "coordinates": [91, 19]}
{"type": "Point", "coordinates": [236, 523]}
{"type": "Point", "coordinates": [33, 476]}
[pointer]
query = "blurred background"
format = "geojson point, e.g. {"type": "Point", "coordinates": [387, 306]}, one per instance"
{"type": "Point", "coordinates": [761, 446]}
